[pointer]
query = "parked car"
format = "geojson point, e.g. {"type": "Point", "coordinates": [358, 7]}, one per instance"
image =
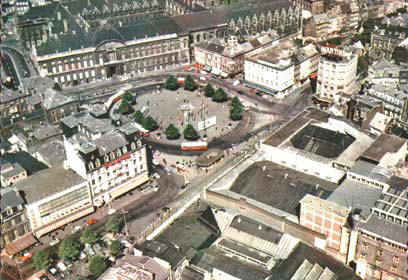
{"type": "Point", "coordinates": [76, 229]}
{"type": "Point", "coordinates": [91, 222]}
{"type": "Point", "coordinates": [83, 256]}
{"type": "Point", "coordinates": [54, 242]}
{"type": "Point", "coordinates": [89, 251]}
{"type": "Point", "coordinates": [68, 263]}
{"type": "Point", "coordinates": [61, 266]}
{"type": "Point", "coordinates": [53, 270]}
{"type": "Point", "coordinates": [156, 175]}
{"type": "Point", "coordinates": [97, 247]}
{"type": "Point", "coordinates": [26, 256]}
{"type": "Point", "coordinates": [155, 162]}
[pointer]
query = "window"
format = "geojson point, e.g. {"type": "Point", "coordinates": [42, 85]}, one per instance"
{"type": "Point", "coordinates": [363, 257]}
{"type": "Point", "coordinates": [91, 166]}
{"type": "Point", "coordinates": [395, 259]}
{"type": "Point", "coordinates": [98, 163]}
{"type": "Point", "coordinates": [378, 263]}
{"type": "Point", "coordinates": [106, 158]}
{"type": "Point", "coordinates": [393, 269]}
{"type": "Point", "coordinates": [380, 253]}
{"type": "Point", "coordinates": [118, 152]}
{"type": "Point", "coordinates": [124, 149]}
{"type": "Point", "coordinates": [364, 247]}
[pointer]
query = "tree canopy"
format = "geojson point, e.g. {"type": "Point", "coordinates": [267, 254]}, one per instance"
{"type": "Point", "coordinates": [41, 260]}
{"type": "Point", "coordinates": [219, 96]}
{"type": "Point", "coordinates": [125, 107]}
{"type": "Point", "coordinates": [129, 97]}
{"type": "Point", "coordinates": [97, 266]}
{"type": "Point", "coordinates": [190, 84]}
{"type": "Point", "coordinates": [114, 224]}
{"type": "Point", "coordinates": [89, 237]}
{"type": "Point", "coordinates": [236, 109]}
{"type": "Point", "coordinates": [115, 248]}
{"type": "Point", "coordinates": [150, 124]}
{"type": "Point", "coordinates": [138, 117]}
{"type": "Point", "coordinates": [69, 249]}
{"type": "Point", "coordinates": [208, 90]}
{"type": "Point", "coordinates": [172, 132]}
{"type": "Point", "coordinates": [190, 133]}
{"type": "Point", "coordinates": [171, 83]}
{"type": "Point", "coordinates": [400, 54]}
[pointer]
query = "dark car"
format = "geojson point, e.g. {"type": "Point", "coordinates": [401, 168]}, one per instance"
{"type": "Point", "coordinates": [241, 92]}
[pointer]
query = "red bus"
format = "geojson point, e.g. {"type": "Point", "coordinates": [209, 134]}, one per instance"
{"type": "Point", "coordinates": [192, 146]}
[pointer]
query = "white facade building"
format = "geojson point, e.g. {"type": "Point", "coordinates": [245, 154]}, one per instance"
{"type": "Point", "coordinates": [113, 164]}
{"type": "Point", "coordinates": [55, 197]}
{"type": "Point", "coordinates": [282, 69]}
{"type": "Point", "coordinates": [337, 75]}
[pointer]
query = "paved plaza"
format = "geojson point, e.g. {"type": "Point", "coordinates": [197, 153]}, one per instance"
{"type": "Point", "coordinates": [182, 107]}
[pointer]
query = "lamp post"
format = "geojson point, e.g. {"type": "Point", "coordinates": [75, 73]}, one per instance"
{"type": "Point", "coordinates": [124, 218]}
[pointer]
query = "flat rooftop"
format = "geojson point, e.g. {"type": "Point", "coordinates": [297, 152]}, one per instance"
{"type": "Point", "coordinates": [387, 229]}
{"type": "Point", "coordinates": [372, 171]}
{"type": "Point", "coordinates": [356, 195]}
{"type": "Point", "coordinates": [216, 258]}
{"type": "Point", "coordinates": [295, 124]}
{"type": "Point", "coordinates": [384, 144]}
{"type": "Point", "coordinates": [47, 182]}
{"type": "Point", "coordinates": [279, 186]}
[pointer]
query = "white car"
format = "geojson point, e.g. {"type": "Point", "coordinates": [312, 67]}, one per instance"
{"type": "Point", "coordinates": [54, 242]}
{"type": "Point", "coordinates": [155, 162]}
{"type": "Point", "coordinates": [111, 211]}
{"type": "Point", "coordinates": [156, 175]}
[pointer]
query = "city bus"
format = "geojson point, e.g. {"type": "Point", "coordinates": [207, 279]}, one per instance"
{"type": "Point", "coordinates": [193, 146]}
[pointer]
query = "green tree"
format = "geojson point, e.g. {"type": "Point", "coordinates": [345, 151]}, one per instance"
{"type": "Point", "coordinates": [97, 266]}
{"type": "Point", "coordinates": [190, 84]}
{"type": "Point", "coordinates": [89, 237]}
{"type": "Point", "coordinates": [172, 132]}
{"type": "Point", "coordinates": [80, 277]}
{"type": "Point", "coordinates": [69, 249]}
{"type": "Point", "coordinates": [190, 133]}
{"type": "Point", "coordinates": [219, 96]}
{"type": "Point", "coordinates": [41, 260]}
{"type": "Point", "coordinates": [129, 97]}
{"type": "Point", "coordinates": [171, 83]}
{"type": "Point", "coordinates": [138, 117]}
{"type": "Point", "coordinates": [400, 54]}
{"type": "Point", "coordinates": [236, 113]}
{"type": "Point", "coordinates": [208, 90]}
{"type": "Point", "coordinates": [115, 248]}
{"type": "Point", "coordinates": [235, 102]}
{"type": "Point", "coordinates": [150, 124]}
{"type": "Point", "coordinates": [125, 107]}
{"type": "Point", "coordinates": [335, 41]}
{"type": "Point", "coordinates": [114, 224]}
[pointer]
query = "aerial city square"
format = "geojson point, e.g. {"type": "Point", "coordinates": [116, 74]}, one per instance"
{"type": "Point", "coordinates": [204, 139]}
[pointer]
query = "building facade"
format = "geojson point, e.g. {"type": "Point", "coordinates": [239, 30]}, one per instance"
{"type": "Point", "coordinates": [14, 222]}
{"type": "Point", "coordinates": [282, 69]}
{"type": "Point", "coordinates": [388, 38]}
{"type": "Point", "coordinates": [55, 197]}
{"type": "Point", "coordinates": [337, 75]}
{"type": "Point", "coordinates": [112, 164]}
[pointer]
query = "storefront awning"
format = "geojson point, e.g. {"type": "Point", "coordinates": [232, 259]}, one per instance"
{"type": "Point", "coordinates": [20, 244]}
{"type": "Point", "coordinates": [216, 71]}
{"type": "Point", "coordinates": [261, 88]}
{"type": "Point", "coordinates": [207, 68]}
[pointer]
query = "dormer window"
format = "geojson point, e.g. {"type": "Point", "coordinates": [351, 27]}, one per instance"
{"type": "Point", "coordinates": [118, 153]}
{"type": "Point", "coordinates": [124, 149]}
{"type": "Point", "coordinates": [133, 146]}
{"type": "Point", "coordinates": [98, 162]}
{"type": "Point", "coordinates": [91, 166]}
{"type": "Point", "coordinates": [106, 158]}
{"type": "Point", "coordinates": [112, 155]}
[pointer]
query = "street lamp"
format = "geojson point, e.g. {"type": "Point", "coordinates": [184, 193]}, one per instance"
{"type": "Point", "coordinates": [124, 218]}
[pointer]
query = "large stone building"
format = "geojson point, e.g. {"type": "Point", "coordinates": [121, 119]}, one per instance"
{"type": "Point", "coordinates": [281, 69]}
{"type": "Point", "coordinates": [337, 75]}
{"type": "Point", "coordinates": [55, 197]}
{"type": "Point", "coordinates": [112, 163]}
{"type": "Point", "coordinates": [15, 227]}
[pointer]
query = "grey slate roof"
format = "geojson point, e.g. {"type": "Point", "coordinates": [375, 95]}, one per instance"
{"type": "Point", "coordinates": [109, 142]}
{"type": "Point", "coordinates": [54, 99]}
{"type": "Point", "coordinates": [47, 182]}
{"type": "Point", "coordinates": [9, 170]}
{"type": "Point", "coordinates": [386, 229]}
{"type": "Point", "coordinates": [372, 171]}
{"type": "Point", "coordinates": [53, 153]}
{"type": "Point", "coordinates": [10, 198]}
{"type": "Point", "coordinates": [46, 132]}
{"type": "Point", "coordinates": [356, 195]}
